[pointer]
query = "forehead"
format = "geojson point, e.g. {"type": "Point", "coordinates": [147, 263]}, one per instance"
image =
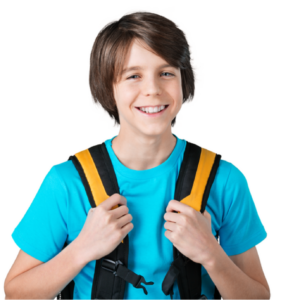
{"type": "Point", "coordinates": [140, 54]}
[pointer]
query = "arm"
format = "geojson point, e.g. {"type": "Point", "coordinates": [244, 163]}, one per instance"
{"type": "Point", "coordinates": [238, 276]}
{"type": "Point", "coordinates": [46, 280]}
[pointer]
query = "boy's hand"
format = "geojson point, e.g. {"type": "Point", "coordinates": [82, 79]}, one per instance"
{"type": "Point", "coordinates": [105, 228]}
{"type": "Point", "coordinates": [190, 232]}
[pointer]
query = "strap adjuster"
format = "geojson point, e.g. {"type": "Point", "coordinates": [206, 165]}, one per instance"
{"type": "Point", "coordinates": [110, 265]}
{"type": "Point", "coordinates": [118, 269]}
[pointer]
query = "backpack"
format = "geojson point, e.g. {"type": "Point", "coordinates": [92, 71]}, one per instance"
{"type": "Point", "coordinates": [196, 176]}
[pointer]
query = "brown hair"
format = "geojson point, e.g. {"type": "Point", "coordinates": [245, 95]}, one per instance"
{"type": "Point", "coordinates": [111, 46]}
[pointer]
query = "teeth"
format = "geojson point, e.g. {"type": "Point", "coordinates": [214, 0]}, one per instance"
{"type": "Point", "coordinates": [152, 109]}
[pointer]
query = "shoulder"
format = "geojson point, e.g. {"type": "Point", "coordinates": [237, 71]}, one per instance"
{"type": "Point", "coordinates": [65, 168]}
{"type": "Point", "coordinates": [63, 173]}
{"type": "Point", "coordinates": [60, 179]}
{"type": "Point", "coordinates": [228, 175]}
{"type": "Point", "coordinates": [230, 190]}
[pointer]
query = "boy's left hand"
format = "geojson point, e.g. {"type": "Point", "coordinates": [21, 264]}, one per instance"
{"type": "Point", "coordinates": [190, 232]}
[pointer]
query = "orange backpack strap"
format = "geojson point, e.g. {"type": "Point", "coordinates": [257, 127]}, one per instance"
{"type": "Point", "coordinates": [196, 176]}
{"type": "Point", "coordinates": [204, 177]}
{"type": "Point", "coordinates": [100, 182]}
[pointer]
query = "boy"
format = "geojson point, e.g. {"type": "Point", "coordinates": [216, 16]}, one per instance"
{"type": "Point", "coordinates": [141, 74]}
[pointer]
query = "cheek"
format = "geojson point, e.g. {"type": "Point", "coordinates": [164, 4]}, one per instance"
{"type": "Point", "coordinates": [177, 95]}
{"type": "Point", "coordinates": [125, 97]}
{"type": "Point", "coordinates": [129, 93]}
{"type": "Point", "coordinates": [176, 91]}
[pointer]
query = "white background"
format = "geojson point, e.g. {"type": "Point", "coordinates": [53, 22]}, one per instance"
{"type": "Point", "coordinates": [246, 105]}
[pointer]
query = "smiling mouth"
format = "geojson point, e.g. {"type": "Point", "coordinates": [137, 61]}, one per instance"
{"type": "Point", "coordinates": [153, 113]}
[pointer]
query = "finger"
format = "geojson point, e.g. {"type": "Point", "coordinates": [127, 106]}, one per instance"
{"type": "Point", "coordinates": [124, 220]}
{"type": "Point", "coordinates": [170, 226]}
{"type": "Point", "coordinates": [114, 201]}
{"type": "Point", "coordinates": [207, 215]}
{"type": "Point", "coordinates": [177, 219]}
{"type": "Point", "coordinates": [119, 212]}
{"type": "Point", "coordinates": [171, 217]}
{"type": "Point", "coordinates": [177, 206]}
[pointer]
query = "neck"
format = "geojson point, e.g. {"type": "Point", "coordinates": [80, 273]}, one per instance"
{"type": "Point", "coordinates": [140, 152]}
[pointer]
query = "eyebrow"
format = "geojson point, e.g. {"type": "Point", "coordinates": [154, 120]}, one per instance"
{"type": "Point", "coordinates": [134, 68]}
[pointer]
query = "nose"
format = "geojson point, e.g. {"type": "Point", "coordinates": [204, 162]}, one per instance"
{"type": "Point", "coordinates": [151, 86]}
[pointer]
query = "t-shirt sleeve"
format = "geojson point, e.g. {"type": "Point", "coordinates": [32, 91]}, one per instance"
{"type": "Point", "coordinates": [241, 227]}
{"type": "Point", "coordinates": [42, 231]}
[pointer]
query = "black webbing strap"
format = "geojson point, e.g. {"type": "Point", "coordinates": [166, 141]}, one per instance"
{"type": "Point", "coordinates": [188, 275]}
{"type": "Point", "coordinates": [118, 269]}
{"type": "Point", "coordinates": [174, 270]}
{"type": "Point", "coordinates": [189, 279]}
{"type": "Point", "coordinates": [111, 272]}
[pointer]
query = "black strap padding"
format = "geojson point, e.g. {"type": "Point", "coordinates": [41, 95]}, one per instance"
{"type": "Point", "coordinates": [105, 168]}
{"type": "Point", "coordinates": [105, 284]}
{"type": "Point", "coordinates": [188, 275]}
{"type": "Point", "coordinates": [210, 181]}
{"type": "Point", "coordinates": [83, 179]}
{"type": "Point", "coordinates": [189, 281]}
{"type": "Point", "coordinates": [68, 290]}
{"type": "Point", "coordinates": [187, 171]}
{"type": "Point", "coordinates": [108, 283]}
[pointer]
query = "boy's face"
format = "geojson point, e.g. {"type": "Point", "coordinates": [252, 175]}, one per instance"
{"type": "Point", "coordinates": [152, 84]}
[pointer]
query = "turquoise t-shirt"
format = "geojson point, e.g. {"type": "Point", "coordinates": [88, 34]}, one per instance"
{"type": "Point", "coordinates": [60, 207]}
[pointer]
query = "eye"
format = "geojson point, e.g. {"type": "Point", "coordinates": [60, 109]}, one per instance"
{"type": "Point", "coordinates": [161, 73]}
{"type": "Point", "coordinates": [132, 76]}
{"type": "Point", "coordinates": [168, 73]}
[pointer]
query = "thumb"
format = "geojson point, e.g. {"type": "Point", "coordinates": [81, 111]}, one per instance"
{"type": "Point", "coordinates": [207, 215]}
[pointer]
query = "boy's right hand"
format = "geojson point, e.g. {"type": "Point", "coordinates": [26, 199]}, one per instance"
{"type": "Point", "coordinates": [104, 228]}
